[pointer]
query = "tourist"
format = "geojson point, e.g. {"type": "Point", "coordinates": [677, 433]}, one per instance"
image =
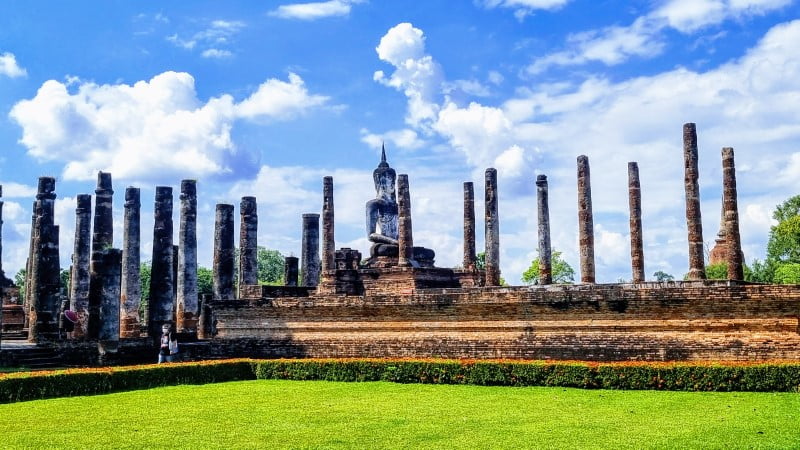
{"type": "Point", "coordinates": [169, 345]}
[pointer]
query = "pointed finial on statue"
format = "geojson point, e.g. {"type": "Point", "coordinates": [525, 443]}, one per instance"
{"type": "Point", "coordinates": [383, 152]}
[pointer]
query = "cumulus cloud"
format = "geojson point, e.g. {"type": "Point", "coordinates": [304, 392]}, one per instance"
{"type": "Point", "coordinates": [416, 74]}
{"type": "Point", "coordinates": [644, 37]}
{"type": "Point", "coordinates": [314, 10]}
{"type": "Point", "coordinates": [9, 66]}
{"type": "Point", "coordinates": [151, 130]}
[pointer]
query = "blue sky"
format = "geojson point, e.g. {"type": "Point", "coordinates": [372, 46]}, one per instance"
{"type": "Point", "coordinates": [265, 98]}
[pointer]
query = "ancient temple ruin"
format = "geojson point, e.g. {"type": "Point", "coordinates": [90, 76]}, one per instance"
{"type": "Point", "coordinates": [395, 302]}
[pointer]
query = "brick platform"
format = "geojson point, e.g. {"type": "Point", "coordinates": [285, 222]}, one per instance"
{"type": "Point", "coordinates": [699, 320]}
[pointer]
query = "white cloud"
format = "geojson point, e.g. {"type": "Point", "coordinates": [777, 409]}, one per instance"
{"type": "Point", "coordinates": [9, 66]}
{"type": "Point", "coordinates": [523, 8]}
{"type": "Point", "coordinates": [314, 10]}
{"type": "Point", "coordinates": [17, 190]}
{"type": "Point", "coordinates": [151, 130]}
{"type": "Point", "coordinates": [469, 87]}
{"type": "Point", "coordinates": [644, 37]}
{"type": "Point", "coordinates": [276, 99]}
{"type": "Point", "coordinates": [495, 77]}
{"type": "Point", "coordinates": [219, 33]}
{"type": "Point", "coordinates": [416, 74]}
{"type": "Point", "coordinates": [215, 53]}
{"type": "Point", "coordinates": [406, 139]}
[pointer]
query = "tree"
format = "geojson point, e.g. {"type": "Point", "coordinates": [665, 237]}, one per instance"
{"type": "Point", "coordinates": [662, 276]}
{"type": "Point", "coordinates": [19, 281]}
{"type": "Point", "coordinates": [205, 281]}
{"type": "Point", "coordinates": [783, 247]}
{"type": "Point", "coordinates": [562, 272]}
{"type": "Point", "coordinates": [787, 273]}
{"type": "Point", "coordinates": [270, 266]}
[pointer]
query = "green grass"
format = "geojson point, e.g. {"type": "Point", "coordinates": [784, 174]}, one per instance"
{"type": "Point", "coordinates": [318, 414]}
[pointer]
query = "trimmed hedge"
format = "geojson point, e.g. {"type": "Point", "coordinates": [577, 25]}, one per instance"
{"type": "Point", "coordinates": [663, 376]}
{"type": "Point", "coordinates": [763, 377]}
{"type": "Point", "coordinates": [20, 386]}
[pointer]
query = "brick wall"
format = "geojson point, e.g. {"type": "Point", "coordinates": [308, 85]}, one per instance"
{"type": "Point", "coordinates": [649, 321]}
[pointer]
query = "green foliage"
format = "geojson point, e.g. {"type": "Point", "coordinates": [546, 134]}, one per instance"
{"type": "Point", "coordinates": [783, 246]}
{"type": "Point", "coordinates": [18, 387]}
{"type": "Point", "coordinates": [760, 272]}
{"type": "Point", "coordinates": [205, 281]}
{"type": "Point", "coordinates": [762, 377]}
{"type": "Point", "coordinates": [480, 261]}
{"type": "Point", "coordinates": [717, 271]}
{"type": "Point", "coordinates": [787, 273]}
{"type": "Point", "coordinates": [144, 278]}
{"type": "Point", "coordinates": [19, 281]}
{"type": "Point", "coordinates": [662, 276]}
{"type": "Point", "coordinates": [270, 266]}
{"type": "Point", "coordinates": [562, 272]}
{"type": "Point", "coordinates": [66, 281]}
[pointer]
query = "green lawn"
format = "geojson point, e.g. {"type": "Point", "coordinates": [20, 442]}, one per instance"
{"type": "Point", "coordinates": [318, 414]}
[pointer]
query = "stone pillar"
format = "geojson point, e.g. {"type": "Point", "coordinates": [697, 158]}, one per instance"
{"type": "Point", "coordinates": [45, 281]}
{"type": "Point", "coordinates": [79, 276]}
{"type": "Point", "coordinates": [223, 253]}
{"type": "Point", "coordinates": [160, 308]}
{"type": "Point", "coordinates": [328, 243]}
{"type": "Point", "coordinates": [108, 265]}
{"type": "Point", "coordinates": [492, 261]}
{"type": "Point", "coordinates": [102, 238]}
{"type": "Point", "coordinates": [188, 312]}
{"type": "Point", "coordinates": [290, 271]}
{"type": "Point", "coordinates": [635, 205]}
{"type": "Point", "coordinates": [694, 223]}
{"type": "Point", "coordinates": [309, 255]}
{"type": "Point", "coordinates": [248, 243]}
{"type": "Point", "coordinates": [585, 221]}
{"type": "Point", "coordinates": [131, 287]}
{"type": "Point", "coordinates": [405, 233]}
{"type": "Point", "coordinates": [27, 302]}
{"type": "Point", "coordinates": [469, 226]}
{"type": "Point", "coordinates": [543, 213]}
{"type": "Point", "coordinates": [734, 258]}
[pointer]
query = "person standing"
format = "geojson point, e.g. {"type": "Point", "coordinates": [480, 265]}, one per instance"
{"type": "Point", "coordinates": [168, 349]}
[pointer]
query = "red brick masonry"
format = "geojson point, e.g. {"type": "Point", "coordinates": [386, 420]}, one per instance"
{"type": "Point", "coordinates": [696, 320]}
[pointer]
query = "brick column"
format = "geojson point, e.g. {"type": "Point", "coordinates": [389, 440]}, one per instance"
{"type": "Point", "coordinates": [160, 308]}
{"type": "Point", "coordinates": [45, 280]}
{"type": "Point", "coordinates": [290, 271]}
{"type": "Point", "coordinates": [309, 255]}
{"type": "Point", "coordinates": [187, 310]}
{"type": "Point", "coordinates": [109, 267]}
{"type": "Point", "coordinates": [79, 276]}
{"type": "Point", "coordinates": [223, 253]}
{"type": "Point", "coordinates": [102, 238]}
{"type": "Point", "coordinates": [492, 261]}
{"type": "Point", "coordinates": [635, 205]}
{"type": "Point", "coordinates": [730, 203]}
{"type": "Point", "coordinates": [405, 234]}
{"type": "Point", "coordinates": [694, 222]}
{"type": "Point", "coordinates": [328, 242]}
{"type": "Point", "coordinates": [131, 284]}
{"type": "Point", "coordinates": [543, 213]}
{"type": "Point", "coordinates": [585, 221]}
{"type": "Point", "coordinates": [469, 226]}
{"type": "Point", "coordinates": [248, 244]}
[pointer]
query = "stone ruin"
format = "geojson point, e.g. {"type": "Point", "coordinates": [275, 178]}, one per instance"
{"type": "Point", "coordinates": [396, 302]}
